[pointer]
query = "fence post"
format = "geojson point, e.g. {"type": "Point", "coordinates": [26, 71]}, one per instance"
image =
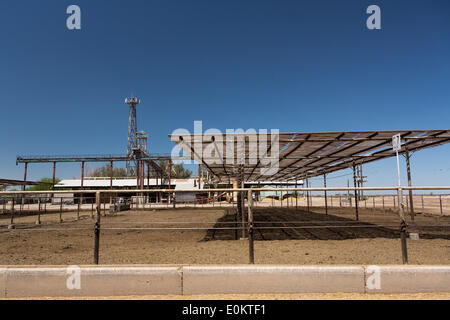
{"type": "Point", "coordinates": [39, 213]}
{"type": "Point", "coordinates": [402, 226]}
{"type": "Point", "coordinates": [383, 202]}
{"type": "Point", "coordinates": [356, 192]}
{"type": "Point", "coordinates": [97, 228]}
{"type": "Point", "coordinates": [242, 201]}
{"type": "Point", "coordinates": [325, 193]}
{"type": "Point", "coordinates": [440, 203]}
{"type": "Point", "coordinates": [60, 210]}
{"type": "Point", "coordinates": [250, 228]}
{"type": "Point", "coordinates": [423, 207]}
{"type": "Point", "coordinates": [78, 209]}
{"type": "Point", "coordinates": [11, 224]}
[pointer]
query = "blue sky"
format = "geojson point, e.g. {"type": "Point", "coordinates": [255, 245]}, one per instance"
{"type": "Point", "coordinates": [289, 65]}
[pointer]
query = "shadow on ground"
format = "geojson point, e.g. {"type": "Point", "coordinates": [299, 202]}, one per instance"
{"type": "Point", "coordinates": [301, 225]}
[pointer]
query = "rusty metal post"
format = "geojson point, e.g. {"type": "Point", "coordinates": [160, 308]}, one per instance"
{"type": "Point", "coordinates": [402, 226]}
{"type": "Point", "coordinates": [199, 174]}
{"type": "Point", "coordinates": [54, 178]}
{"type": "Point", "coordinates": [60, 210]}
{"type": "Point", "coordinates": [170, 178]}
{"type": "Point", "coordinates": [82, 175]}
{"type": "Point", "coordinates": [23, 187]}
{"type": "Point", "coordinates": [39, 212]}
{"type": "Point", "coordinates": [307, 195]}
{"type": "Point", "coordinates": [325, 192]}
{"type": "Point", "coordinates": [97, 229]}
{"type": "Point", "coordinates": [356, 191]}
{"type": "Point", "coordinates": [408, 172]}
{"type": "Point", "coordinates": [423, 207]}
{"type": "Point", "coordinates": [251, 250]}
{"type": "Point", "coordinates": [281, 197]}
{"type": "Point", "coordinates": [148, 182]}
{"type": "Point", "coordinates": [440, 204]}
{"type": "Point", "coordinates": [111, 170]}
{"type": "Point", "coordinates": [11, 224]}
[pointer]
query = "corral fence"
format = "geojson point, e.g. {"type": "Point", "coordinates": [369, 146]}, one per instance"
{"type": "Point", "coordinates": [243, 201]}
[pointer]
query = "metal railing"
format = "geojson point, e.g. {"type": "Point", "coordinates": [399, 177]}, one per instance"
{"type": "Point", "coordinates": [17, 203]}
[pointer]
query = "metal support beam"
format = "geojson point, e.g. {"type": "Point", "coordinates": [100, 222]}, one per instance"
{"type": "Point", "coordinates": [54, 175]}
{"type": "Point", "coordinates": [24, 185]}
{"type": "Point", "coordinates": [325, 185]}
{"type": "Point", "coordinates": [111, 180]}
{"type": "Point", "coordinates": [250, 228]}
{"type": "Point", "coordinates": [170, 177]}
{"type": "Point", "coordinates": [356, 191]}
{"type": "Point", "coordinates": [402, 226]}
{"type": "Point", "coordinates": [408, 172]}
{"type": "Point", "coordinates": [82, 182]}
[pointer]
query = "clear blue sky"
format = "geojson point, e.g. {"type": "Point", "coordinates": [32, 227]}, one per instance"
{"type": "Point", "coordinates": [291, 65]}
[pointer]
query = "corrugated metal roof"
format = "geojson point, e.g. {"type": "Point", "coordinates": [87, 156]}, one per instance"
{"type": "Point", "coordinates": [300, 155]}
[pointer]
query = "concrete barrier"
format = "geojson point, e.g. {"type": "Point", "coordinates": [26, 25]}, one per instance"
{"type": "Point", "coordinates": [92, 281]}
{"type": "Point", "coordinates": [17, 282]}
{"type": "Point", "coordinates": [2, 282]}
{"type": "Point", "coordinates": [408, 279]}
{"type": "Point", "coordinates": [272, 279]}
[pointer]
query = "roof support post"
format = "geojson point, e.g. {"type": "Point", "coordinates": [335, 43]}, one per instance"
{"type": "Point", "coordinates": [24, 181]}
{"type": "Point", "coordinates": [402, 226]}
{"type": "Point", "coordinates": [408, 171]}
{"type": "Point", "coordinates": [82, 181]}
{"type": "Point", "coordinates": [111, 180]}
{"type": "Point", "coordinates": [307, 194]}
{"type": "Point", "coordinates": [325, 185]}
{"type": "Point", "coordinates": [199, 173]}
{"type": "Point", "coordinates": [170, 178]}
{"type": "Point", "coordinates": [54, 179]}
{"type": "Point", "coordinates": [356, 191]}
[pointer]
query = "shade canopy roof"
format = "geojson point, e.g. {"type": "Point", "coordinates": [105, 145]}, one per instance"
{"type": "Point", "coordinates": [300, 155]}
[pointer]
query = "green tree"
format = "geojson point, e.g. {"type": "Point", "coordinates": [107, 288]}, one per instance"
{"type": "Point", "coordinates": [45, 187]}
{"type": "Point", "coordinates": [105, 171]}
{"type": "Point", "coordinates": [178, 170]}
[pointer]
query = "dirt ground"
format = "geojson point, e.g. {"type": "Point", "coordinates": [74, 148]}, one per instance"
{"type": "Point", "coordinates": [298, 241]}
{"type": "Point", "coordinates": [293, 296]}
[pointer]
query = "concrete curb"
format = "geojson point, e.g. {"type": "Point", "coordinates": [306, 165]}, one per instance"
{"type": "Point", "coordinates": [272, 279]}
{"type": "Point", "coordinates": [59, 281]}
{"type": "Point", "coordinates": [93, 281]}
{"type": "Point", "coordinates": [410, 279]}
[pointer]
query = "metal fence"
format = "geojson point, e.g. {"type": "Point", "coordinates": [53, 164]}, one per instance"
{"type": "Point", "coordinates": [243, 202]}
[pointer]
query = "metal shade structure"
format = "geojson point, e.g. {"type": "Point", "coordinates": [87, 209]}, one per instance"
{"type": "Point", "coordinates": [300, 155]}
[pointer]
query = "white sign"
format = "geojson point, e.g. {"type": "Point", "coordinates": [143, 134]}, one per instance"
{"type": "Point", "coordinates": [397, 142]}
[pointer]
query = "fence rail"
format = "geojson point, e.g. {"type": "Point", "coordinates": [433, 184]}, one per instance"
{"type": "Point", "coordinates": [17, 203]}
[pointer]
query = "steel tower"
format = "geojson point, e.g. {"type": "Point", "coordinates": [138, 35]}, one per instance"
{"type": "Point", "coordinates": [132, 131]}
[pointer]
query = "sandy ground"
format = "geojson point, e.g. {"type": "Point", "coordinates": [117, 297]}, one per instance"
{"type": "Point", "coordinates": [72, 241]}
{"type": "Point", "coordinates": [306, 296]}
